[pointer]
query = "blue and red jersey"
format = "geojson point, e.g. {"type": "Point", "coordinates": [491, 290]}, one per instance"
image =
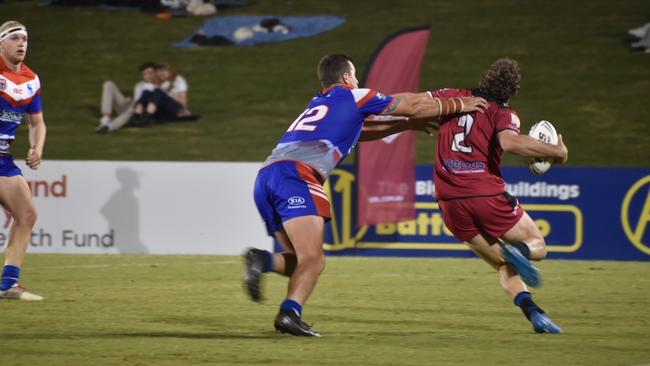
{"type": "Point", "coordinates": [20, 94]}
{"type": "Point", "coordinates": [329, 128]}
{"type": "Point", "coordinates": [290, 184]}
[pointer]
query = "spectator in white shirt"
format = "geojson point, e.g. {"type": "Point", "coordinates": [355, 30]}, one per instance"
{"type": "Point", "coordinates": [113, 101]}
{"type": "Point", "coordinates": [166, 103]}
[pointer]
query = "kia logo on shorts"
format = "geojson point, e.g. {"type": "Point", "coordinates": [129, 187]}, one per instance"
{"type": "Point", "coordinates": [296, 200]}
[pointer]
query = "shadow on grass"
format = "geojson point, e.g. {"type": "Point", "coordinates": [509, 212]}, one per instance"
{"type": "Point", "coordinates": [188, 335]}
{"type": "Point", "coordinates": [151, 334]}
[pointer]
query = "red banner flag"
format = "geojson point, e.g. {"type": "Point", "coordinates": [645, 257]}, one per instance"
{"type": "Point", "coordinates": [386, 168]}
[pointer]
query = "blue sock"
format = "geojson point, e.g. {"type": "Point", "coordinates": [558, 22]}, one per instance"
{"type": "Point", "coordinates": [268, 261]}
{"type": "Point", "coordinates": [291, 305]}
{"type": "Point", "coordinates": [10, 276]}
{"type": "Point", "coordinates": [525, 301]}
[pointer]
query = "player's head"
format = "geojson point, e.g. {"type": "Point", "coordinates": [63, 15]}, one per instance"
{"type": "Point", "coordinates": [148, 70]}
{"type": "Point", "coordinates": [335, 69]}
{"type": "Point", "coordinates": [502, 79]}
{"type": "Point", "coordinates": [13, 42]}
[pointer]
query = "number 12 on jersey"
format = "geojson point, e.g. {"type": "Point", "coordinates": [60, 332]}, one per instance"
{"type": "Point", "coordinates": [308, 120]}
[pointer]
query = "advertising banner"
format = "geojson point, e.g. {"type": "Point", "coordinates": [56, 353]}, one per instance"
{"type": "Point", "coordinates": [583, 213]}
{"type": "Point", "coordinates": [386, 173]}
{"type": "Point", "coordinates": [101, 207]}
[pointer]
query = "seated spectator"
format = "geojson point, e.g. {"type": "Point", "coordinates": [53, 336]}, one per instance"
{"type": "Point", "coordinates": [114, 101]}
{"type": "Point", "coordinates": [166, 103]}
{"type": "Point", "coordinates": [172, 83]}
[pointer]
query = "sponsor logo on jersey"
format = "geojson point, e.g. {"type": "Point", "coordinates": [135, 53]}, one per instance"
{"type": "Point", "coordinates": [4, 145]}
{"type": "Point", "coordinates": [30, 89]}
{"type": "Point", "coordinates": [296, 202]}
{"type": "Point", "coordinates": [3, 84]}
{"type": "Point", "coordinates": [380, 96]}
{"type": "Point", "coordinates": [11, 116]}
{"type": "Point", "coordinates": [459, 166]}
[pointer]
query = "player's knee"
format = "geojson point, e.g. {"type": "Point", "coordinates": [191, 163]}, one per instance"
{"type": "Point", "coordinates": [27, 217]}
{"type": "Point", "coordinates": [314, 260]}
{"type": "Point", "coordinates": [537, 248]}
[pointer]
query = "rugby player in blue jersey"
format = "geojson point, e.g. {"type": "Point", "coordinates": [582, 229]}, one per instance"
{"type": "Point", "coordinates": [20, 97]}
{"type": "Point", "coordinates": [289, 190]}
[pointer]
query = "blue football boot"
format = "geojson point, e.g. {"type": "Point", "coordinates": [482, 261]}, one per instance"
{"type": "Point", "coordinates": [543, 324]}
{"type": "Point", "coordinates": [528, 272]}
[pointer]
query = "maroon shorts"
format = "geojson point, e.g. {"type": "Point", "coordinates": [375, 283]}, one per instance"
{"type": "Point", "coordinates": [492, 215]}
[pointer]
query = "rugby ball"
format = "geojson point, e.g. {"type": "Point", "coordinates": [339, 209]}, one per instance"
{"type": "Point", "coordinates": [544, 132]}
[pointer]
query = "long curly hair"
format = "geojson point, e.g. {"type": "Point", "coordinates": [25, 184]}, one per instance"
{"type": "Point", "coordinates": [502, 79]}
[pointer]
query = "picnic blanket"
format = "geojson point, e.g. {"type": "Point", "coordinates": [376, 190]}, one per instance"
{"type": "Point", "coordinates": [221, 30]}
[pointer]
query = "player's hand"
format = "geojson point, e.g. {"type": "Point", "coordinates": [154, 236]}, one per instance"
{"type": "Point", "coordinates": [33, 159]}
{"type": "Point", "coordinates": [422, 124]}
{"type": "Point", "coordinates": [564, 152]}
{"type": "Point", "coordinates": [473, 104]}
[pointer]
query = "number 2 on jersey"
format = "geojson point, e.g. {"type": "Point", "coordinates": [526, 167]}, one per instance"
{"type": "Point", "coordinates": [307, 120]}
{"type": "Point", "coordinates": [467, 122]}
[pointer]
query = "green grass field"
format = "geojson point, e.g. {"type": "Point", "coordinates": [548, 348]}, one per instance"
{"type": "Point", "coordinates": [578, 72]}
{"type": "Point", "coordinates": [191, 310]}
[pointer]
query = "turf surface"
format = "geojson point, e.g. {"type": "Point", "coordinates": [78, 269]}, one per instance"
{"type": "Point", "coordinates": [578, 72]}
{"type": "Point", "coordinates": [148, 310]}
{"type": "Point", "coordinates": [191, 310]}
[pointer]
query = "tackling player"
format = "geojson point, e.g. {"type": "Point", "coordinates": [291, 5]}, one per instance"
{"type": "Point", "coordinates": [472, 193]}
{"type": "Point", "coordinates": [289, 190]}
{"type": "Point", "coordinates": [20, 95]}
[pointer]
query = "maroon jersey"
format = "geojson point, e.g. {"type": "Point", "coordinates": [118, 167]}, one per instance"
{"type": "Point", "coordinates": [468, 152]}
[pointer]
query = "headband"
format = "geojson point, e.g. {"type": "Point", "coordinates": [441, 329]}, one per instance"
{"type": "Point", "coordinates": [16, 30]}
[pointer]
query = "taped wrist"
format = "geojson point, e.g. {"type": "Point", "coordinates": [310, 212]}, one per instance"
{"type": "Point", "coordinates": [449, 106]}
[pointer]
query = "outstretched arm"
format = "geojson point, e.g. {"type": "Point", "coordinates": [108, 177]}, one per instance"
{"type": "Point", "coordinates": [528, 147]}
{"type": "Point", "coordinates": [37, 132]}
{"type": "Point", "coordinates": [422, 110]}
{"type": "Point", "coordinates": [435, 107]}
{"type": "Point", "coordinates": [379, 127]}
{"type": "Point", "coordinates": [423, 105]}
{"type": "Point", "coordinates": [404, 104]}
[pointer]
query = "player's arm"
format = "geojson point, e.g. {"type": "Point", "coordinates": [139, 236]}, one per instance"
{"type": "Point", "coordinates": [377, 128]}
{"type": "Point", "coordinates": [37, 132]}
{"type": "Point", "coordinates": [404, 104]}
{"type": "Point", "coordinates": [528, 147]}
{"type": "Point", "coordinates": [424, 106]}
